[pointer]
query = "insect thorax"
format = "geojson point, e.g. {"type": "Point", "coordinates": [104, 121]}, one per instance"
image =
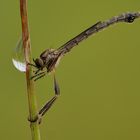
{"type": "Point", "coordinates": [48, 59]}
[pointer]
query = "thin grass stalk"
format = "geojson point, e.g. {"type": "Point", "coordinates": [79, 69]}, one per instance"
{"type": "Point", "coordinates": [35, 132]}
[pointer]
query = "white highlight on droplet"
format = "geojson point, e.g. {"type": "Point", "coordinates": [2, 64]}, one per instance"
{"type": "Point", "coordinates": [19, 65]}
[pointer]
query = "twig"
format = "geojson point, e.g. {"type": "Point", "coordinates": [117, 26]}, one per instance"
{"type": "Point", "coordinates": [35, 132]}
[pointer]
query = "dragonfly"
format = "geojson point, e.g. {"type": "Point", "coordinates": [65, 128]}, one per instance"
{"type": "Point", "coordinates": [49, 59]}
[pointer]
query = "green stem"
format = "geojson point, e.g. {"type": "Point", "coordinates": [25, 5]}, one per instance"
{"type": "Point", "coordinates": [35, 132]}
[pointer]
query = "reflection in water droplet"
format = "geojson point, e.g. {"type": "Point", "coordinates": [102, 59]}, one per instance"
{"type": "Point", "coordinates": [18, 57]}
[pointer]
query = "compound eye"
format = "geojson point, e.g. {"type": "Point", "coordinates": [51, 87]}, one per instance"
{"type": "Point", "coordinates": [38, 62]}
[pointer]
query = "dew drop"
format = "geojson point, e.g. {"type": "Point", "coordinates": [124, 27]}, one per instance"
{"type": "Point", "coordinates": [18, 57]}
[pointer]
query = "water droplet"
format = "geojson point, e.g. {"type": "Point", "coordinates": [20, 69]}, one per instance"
{"type": "Point", "coordinates": [18, 57]}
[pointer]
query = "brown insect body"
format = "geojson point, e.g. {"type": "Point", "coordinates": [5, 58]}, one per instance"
{"type": "Point", "coordinates": [49, 59]}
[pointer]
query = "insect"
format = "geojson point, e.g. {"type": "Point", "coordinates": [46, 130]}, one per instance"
{"type": "Point", "coordinates": [49, 59]}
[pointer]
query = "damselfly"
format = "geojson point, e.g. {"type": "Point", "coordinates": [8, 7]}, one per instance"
{"type": "Point", "coordinates": [50, 58]}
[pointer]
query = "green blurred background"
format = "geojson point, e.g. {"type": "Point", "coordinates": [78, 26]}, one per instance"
{"type": "Point", "coordinates": [99, 79]}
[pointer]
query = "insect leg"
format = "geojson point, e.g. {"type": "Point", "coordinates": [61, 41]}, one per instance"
{"type": "Point", "coordinates": [32, 65]}
{"type": "Point", "coordinates": [36, 75]}
{"type": "Point", "coordinates": [37, 71]}
{"type": "Point", "coordinates": [48, 105]}
{"type": "Point", "coordinates": [43, 74]}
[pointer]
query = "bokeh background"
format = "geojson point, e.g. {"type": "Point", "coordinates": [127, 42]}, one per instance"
{"type": "Point", "coordinates": [99, 79]}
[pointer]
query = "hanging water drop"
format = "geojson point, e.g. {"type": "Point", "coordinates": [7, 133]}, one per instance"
{"type": "Point", "coordinates": [18, 57]}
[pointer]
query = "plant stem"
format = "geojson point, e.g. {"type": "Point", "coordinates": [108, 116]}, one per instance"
{"type": "Point", "coordinates": [35, 132]}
